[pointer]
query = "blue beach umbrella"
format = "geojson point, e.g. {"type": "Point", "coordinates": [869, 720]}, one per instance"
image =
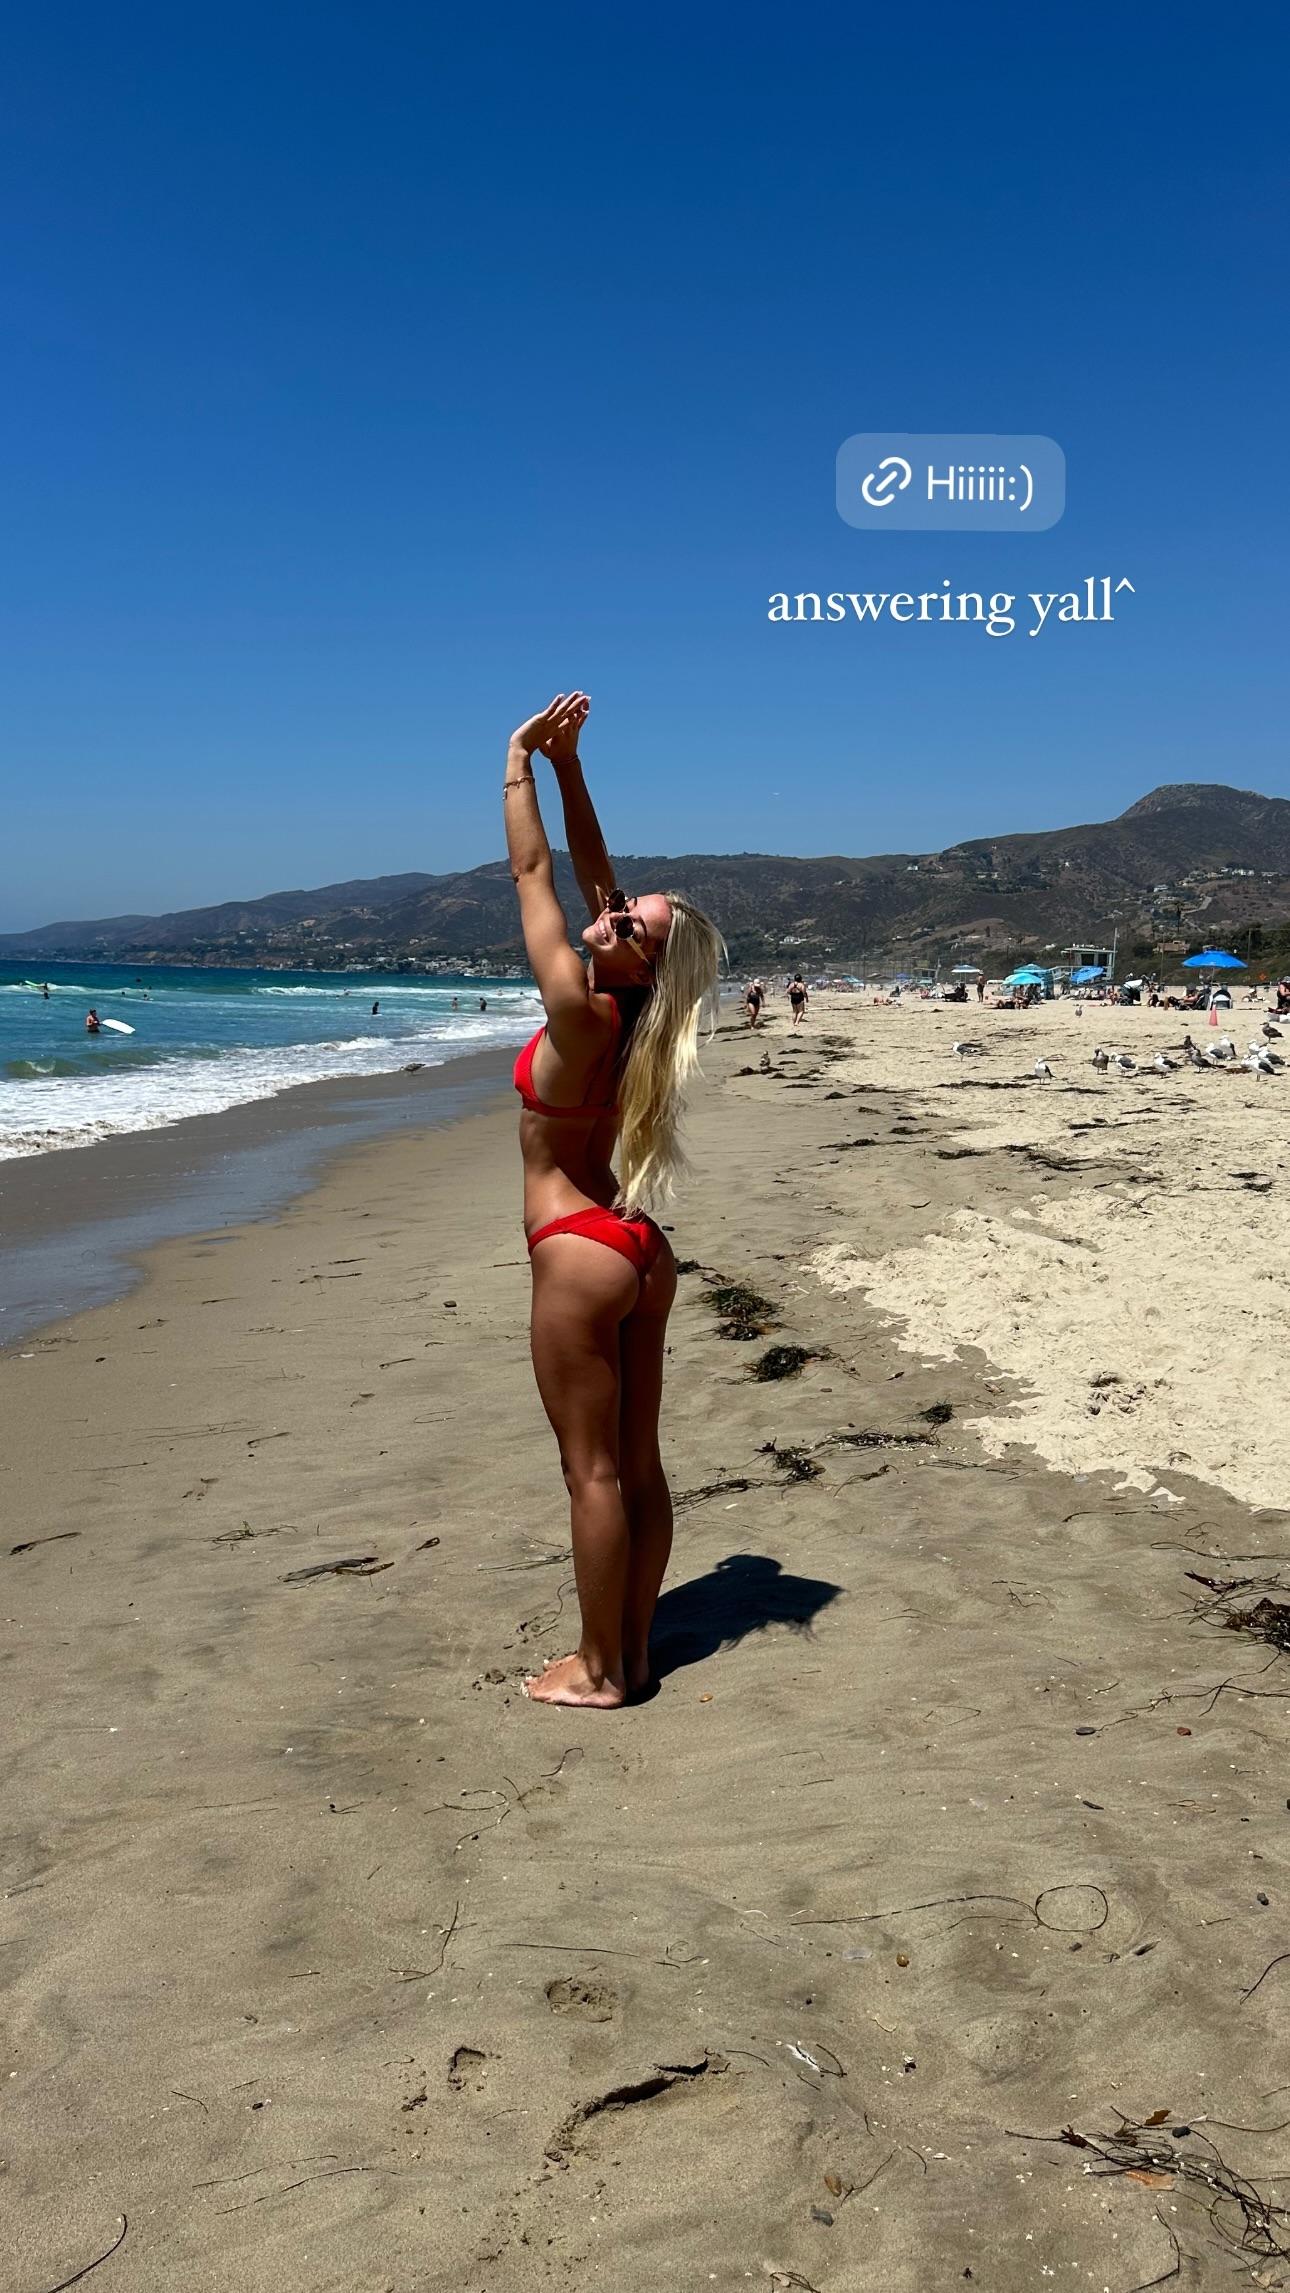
{"type": "Point", "coordinates": [1213, 959]}
{"type": "Point", "coordinates": [1086, 973]}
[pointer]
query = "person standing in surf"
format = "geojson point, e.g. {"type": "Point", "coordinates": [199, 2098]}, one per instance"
{"type": "Point", "coordinates": [609, 1066]}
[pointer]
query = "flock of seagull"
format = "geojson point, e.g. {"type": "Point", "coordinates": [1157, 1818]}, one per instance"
{"type": "Point", "coordinates": [1260, 1058]}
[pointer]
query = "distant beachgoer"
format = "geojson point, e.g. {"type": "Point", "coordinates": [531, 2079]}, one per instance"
{"type": "Point", "coordinates": [753, 1003]}
{"type": "Point", "coordinates": [797, 996]}
{"type": "Point", "coordinates": [92, 1023]}
{"type": "Point", "coordinates": [456, 1005]}
{"type": "Point", "coordinates": [45, 991]}
{"type": "Point", "coordinates": [375, 1009]}
{"type": "Point", "coordinates": [619, 1041]}
{"type": "Point", "coordinates": [483, 1003]}
{"type": "Point", "coordinates": [980, 988]}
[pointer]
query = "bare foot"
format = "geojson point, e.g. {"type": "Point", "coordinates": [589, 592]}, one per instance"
{"type": "Point", "coordinates": [568, 1681]}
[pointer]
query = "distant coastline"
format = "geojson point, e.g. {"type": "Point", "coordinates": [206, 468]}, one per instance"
{"type": "Point", "coordinates": [1181, 866]}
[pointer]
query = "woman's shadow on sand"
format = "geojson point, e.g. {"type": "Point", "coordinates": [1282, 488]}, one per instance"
{"type": "Point", "coordinates": [742, 1594]}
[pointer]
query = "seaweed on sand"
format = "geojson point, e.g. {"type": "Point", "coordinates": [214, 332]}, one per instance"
{"type": "Point", "coordinates": [742, 1313]}
{"type": "Point", "coordinates": [879, 1440]}
{"type": "Point", "coordinates": [796, 1463]}
{"type": "Point", "coordinates": [782, 1361]}
{"type": "Point", "coordinates": [1267, 1619]}
{"type": "Point", "coordinates": [1148, 2151]}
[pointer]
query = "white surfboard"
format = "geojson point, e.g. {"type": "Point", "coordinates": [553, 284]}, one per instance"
{"type": "Point", "coordinates": [118, 1026]}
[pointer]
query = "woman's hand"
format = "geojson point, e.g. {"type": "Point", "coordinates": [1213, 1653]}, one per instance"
{"type": "Point", "coordinates": [562, 746]}
{"type": "Point", "coordinates": [558, 721]}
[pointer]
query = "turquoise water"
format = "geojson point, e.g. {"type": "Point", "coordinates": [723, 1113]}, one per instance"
{"type": "Point", "coordinates": [205, 1040]}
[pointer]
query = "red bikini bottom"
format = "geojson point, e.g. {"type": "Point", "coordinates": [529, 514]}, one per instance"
{"type": "Point", "coordinates": [637, 1239]}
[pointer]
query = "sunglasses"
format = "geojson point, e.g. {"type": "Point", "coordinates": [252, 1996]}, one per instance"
{"type": "Point", "coordinates": [616, 909]}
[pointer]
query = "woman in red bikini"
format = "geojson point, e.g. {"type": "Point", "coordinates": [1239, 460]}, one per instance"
{"type": "Point", "coordinates": [619, 1041]}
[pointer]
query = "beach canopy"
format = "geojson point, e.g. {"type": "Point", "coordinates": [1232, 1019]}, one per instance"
{"type": "Point", "coordinates": [1028, 973]}
{"type": "Point", "coordinates": [965, 971]}
{"type": "Point", "coordinates": [1086, 972]}
{"type": "Point", "coordinates": [1213, 959]}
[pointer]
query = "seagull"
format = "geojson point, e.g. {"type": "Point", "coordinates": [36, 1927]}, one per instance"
{"type": "Point", "coordinates": [966, 1050]}
{"type": "Point", "coordinates": [1260, 1061]}
{"type": "Point", "coordinates": [1225, 1047]}
{"type": "Point", "coordinates": [1272, 1033]}
{"type": "Point", "coordinates": [1041, 1067]}
{"type": "Point", "coordinates": [1190, 1053]}
{"type": "Point", "coordinates": [1164, 1066]}
{"type": "Point", "coordinates": [1101, 1059]}
{"type": "Point", "coordinates": [1126, 1065]}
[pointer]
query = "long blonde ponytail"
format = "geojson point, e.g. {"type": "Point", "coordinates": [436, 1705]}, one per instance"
{"type": "Point", "coordinates": [663, 1054]}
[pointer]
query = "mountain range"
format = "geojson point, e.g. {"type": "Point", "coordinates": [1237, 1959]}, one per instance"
{"type": "Point", "coordinates": [1190, 861]}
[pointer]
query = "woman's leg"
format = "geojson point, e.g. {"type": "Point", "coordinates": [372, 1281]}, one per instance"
{"type": "Point", "coordinates": [581, 1294]}
{"type": "Point", "coordinates": [646, 1496]}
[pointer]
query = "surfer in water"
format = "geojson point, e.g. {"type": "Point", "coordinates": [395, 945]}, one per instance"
{"type": "Point", "coordinates": [93, 1023]}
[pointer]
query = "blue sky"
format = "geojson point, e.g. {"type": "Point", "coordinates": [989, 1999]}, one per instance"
{"type": "Point", "coordinates": [368, 376]}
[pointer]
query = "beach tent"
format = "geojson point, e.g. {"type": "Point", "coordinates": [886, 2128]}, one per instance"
{"type": "Point", "coordinates": [966, 971]}
{"type": "Point", "coordinates": [1087, 973]}
{"type": "Point", "coordinates": [1213, 959]}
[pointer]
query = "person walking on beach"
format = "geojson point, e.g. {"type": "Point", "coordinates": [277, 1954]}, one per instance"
{"type": "Point", "coordinates": [797, 996]}
{"type": "Point", "coordinates": [752, 1003]}
{"type": "Point", "coordinates": [619, 1042]}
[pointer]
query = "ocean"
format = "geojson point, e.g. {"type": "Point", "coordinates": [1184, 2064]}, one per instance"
{"type": "Point", "coordinates": [205, 1040]}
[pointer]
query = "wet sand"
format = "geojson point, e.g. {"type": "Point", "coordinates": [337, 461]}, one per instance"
{"type": "Point", "coordinates": [958, 1818]}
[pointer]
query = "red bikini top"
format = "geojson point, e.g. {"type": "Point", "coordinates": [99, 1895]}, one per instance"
{"type": "Point", "coordinates": [602, 1074]}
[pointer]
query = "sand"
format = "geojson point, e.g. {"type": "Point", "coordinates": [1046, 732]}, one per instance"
{"type": "Point", "coordinates": [1180, 1214]}
{"type": "Point", "coordinates": [958, 1818]}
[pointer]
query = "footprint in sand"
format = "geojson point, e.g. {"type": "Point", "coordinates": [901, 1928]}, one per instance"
{"type": "Point", "coordinates": [583, 1996]}
{"type": "Point", "coordinates": [468, 2070]}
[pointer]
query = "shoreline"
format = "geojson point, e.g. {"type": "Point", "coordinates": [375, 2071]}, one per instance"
{"type": "Point", "coordinates": [67, 1242]}
{"type": "Point", "coordinates": [336, 1964]}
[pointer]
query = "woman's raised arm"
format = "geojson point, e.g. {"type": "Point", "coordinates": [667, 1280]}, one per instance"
{"type": "Point", "coordinates": [560, 974]}
{"type": "Point", "coordinates": [587, 848]}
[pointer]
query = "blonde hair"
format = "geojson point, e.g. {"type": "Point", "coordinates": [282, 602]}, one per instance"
{"type": "Point", "coordinates": [663, 1054]}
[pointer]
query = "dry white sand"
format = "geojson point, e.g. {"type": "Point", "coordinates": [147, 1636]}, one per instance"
{"type": "Point", "coordinates": [1141, 1313]}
